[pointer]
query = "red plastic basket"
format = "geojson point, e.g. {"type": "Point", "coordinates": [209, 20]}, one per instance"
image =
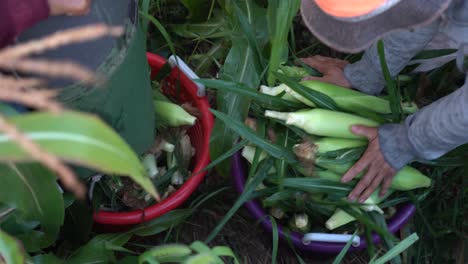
{"type": "Point", "coordinates": [179, 86]}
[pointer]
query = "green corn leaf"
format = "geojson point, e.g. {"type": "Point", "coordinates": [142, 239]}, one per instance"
{"type": "Point", "coordinates": [226, 155]}
{"type": "Point", "coordinates": [397, 250]}
{"type": "Point", "coordinates": [200, 247]}
{"type": "Point", "coordinates": [161, 29]}
{"type": "Point", "coordinates": [10, 249]}
{"type": "Point", "coordinates": [274, 253]}
{"type": "Point", "coordinates": [144, 7]}
{"type": "Point", "coordinates": [247, 133]}
{"type": "Point", "coordinates": [241, 66]}
{"type": "Point", "coordinates": [245, 196]}
{"type": "Point", "coordinates": [216, 27]}
{"type": "Point", "coordinates": [204, 258]}
{"type": "Point", "coordinates": [162, 223]}
{"type": "Point", "coordinates": [225, 252]}
{"type": "Point", "coordinates": [78, 138]}
{"type": "Point", "coordinates": [166, 254]}
{"type": "Point", "coordinates": [265, 100]}
{"type": "Point", "coordinates": [313, 185]}
{"type": "Point", "coordinates": [249, 31]}
{"type": "Point", "coordinates": [318, 98]}
{"type": "Point", "coordinates": [33, 192]}
{"type": "Point", "coordinates": [379, 219]}
{"type": "Point", "coordinates": [97, 249]}
{"type": "Point", "coordinates": [393, 91]}
{"type": "Point", "coordinates": [198, 9]}
{"type": "Point", "coordinates": [47, 259]}
{"type": "Point", "coordinates": [280, 18]}
{"type": "Point", "coordinates": [345, 249]}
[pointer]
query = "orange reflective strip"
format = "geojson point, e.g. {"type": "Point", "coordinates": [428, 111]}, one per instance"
{"type": "Point", "coordinates": [349, 8]}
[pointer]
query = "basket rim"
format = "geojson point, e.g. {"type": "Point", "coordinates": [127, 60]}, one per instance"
{"type": "Point", "coordinates": [238, 168]}
{"type": "Point", "coordinates": [151, 212]}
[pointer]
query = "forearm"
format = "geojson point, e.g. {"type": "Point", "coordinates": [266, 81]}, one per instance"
{"type": "Point", "coordinates": [18, 15]}
{"type": "Point", "coordinates": [366, 75]}
{"type": "Point", "coordinates": [429, 133]}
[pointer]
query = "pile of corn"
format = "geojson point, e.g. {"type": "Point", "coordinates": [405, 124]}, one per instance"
{"type": "Point", "coordinates": [167, 161]}
{"type": "Point", "coordinates": [325, 148]}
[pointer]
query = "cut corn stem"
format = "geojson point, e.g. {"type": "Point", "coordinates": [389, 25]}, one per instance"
{"type": "Point", "coordinates": [339, 218]}
{"type": "Point", "coordinates": [277, 213]}
{"type": "Point", "coordinates": [149, 162]}
{"type": "Point", "coordinates": [323, 122]}
{"type": "Point", "coordinates": [172, 115]}
{"type": "Point", "coordinates": [300, 223]}
{"type": "Point", "coordinates": [168, 147]}
{"type": "Point", "coordinates": [248, 152]}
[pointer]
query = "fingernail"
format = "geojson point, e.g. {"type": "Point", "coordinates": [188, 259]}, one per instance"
{"type": "Point", "coordinates": [362, 200]}
{"type": "Point", "coordinates": [352, 198]}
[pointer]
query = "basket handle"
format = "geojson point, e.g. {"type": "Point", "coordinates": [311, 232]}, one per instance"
{"type": "Point", "coordinates": [175, 60]}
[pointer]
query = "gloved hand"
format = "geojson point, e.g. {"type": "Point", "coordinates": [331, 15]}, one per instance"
{"type": "Point", "coordinates": [69, 7]}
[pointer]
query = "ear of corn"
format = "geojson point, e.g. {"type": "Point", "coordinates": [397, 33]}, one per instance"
{"type": "Point", "coordinates": [328, 144]}
{"type": "Point", "coordinates": [340, 217]}
{"type": "Point", "coordinates": [323, 122]}
{"type": "Point", "coordinates": [172, 115]}
{"type": "Point", "coordinates": [346, 99]}
{"type": "Point", "coordinates": [406, 179]}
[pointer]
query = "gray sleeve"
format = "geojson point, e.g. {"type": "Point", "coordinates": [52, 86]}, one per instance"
{"type": "Point", "coordinates": [366, 75]}
{"type": "Point", "coordinates": [428, 134]}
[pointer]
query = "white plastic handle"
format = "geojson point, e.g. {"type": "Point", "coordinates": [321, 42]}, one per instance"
{"type": "Point", "coordinates": [330, 238]}
{"type": "Point", "coordinates": [176, 61]}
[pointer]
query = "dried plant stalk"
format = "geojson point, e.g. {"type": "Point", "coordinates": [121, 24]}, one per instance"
{"type": "Point", "coordinates": [66, 176]}
{"type": "Point", "coordinates": [52, 69]}
{"type": "Point", "coordinates": [7, 82]}
{"type": "Point", "coordinates": [61, 38]}
{"type": "Point", "coordinates": [41, 99]}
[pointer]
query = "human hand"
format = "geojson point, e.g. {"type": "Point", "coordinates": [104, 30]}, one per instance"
{"type": "Point", "coordinates": [332, 70]}
{"type": "Point", "coordinates": [69, 7]}
{"type": "Point", "coordinates": [378, 170]}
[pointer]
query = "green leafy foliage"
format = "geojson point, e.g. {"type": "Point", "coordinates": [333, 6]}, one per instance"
{"type": "Point", "coordinates": [40, 200]}
{"type": "Point", "coordinates": [280, 17]}
{"type": "Point", "coordinates": [10, 249]}
{"type": "Point", "coordinates": [241, 65]}
{"type": "Point", "coordinates": [78, 138]}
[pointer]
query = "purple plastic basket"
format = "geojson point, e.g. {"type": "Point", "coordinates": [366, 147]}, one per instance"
{"type": "Point", "coordinates": [239, 169]}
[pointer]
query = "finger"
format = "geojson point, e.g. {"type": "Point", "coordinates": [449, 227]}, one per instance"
{"type": "Point", "coordinates": [371, 188]}
{"type": "Point", "coordinates": [331, 61]}
{"type": "Point", "coordinates": [316, 63]}
{"type": "Point", "coordinates": [387, 183]}
{"type": "Point", "coordinates": [368, 132]}
{"type": "Point", "coordinates": [362, 184]}
{"type": "Point", "coordinates": [311, 78]}
{"type": "Point", "coordinates": [356, 169]}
